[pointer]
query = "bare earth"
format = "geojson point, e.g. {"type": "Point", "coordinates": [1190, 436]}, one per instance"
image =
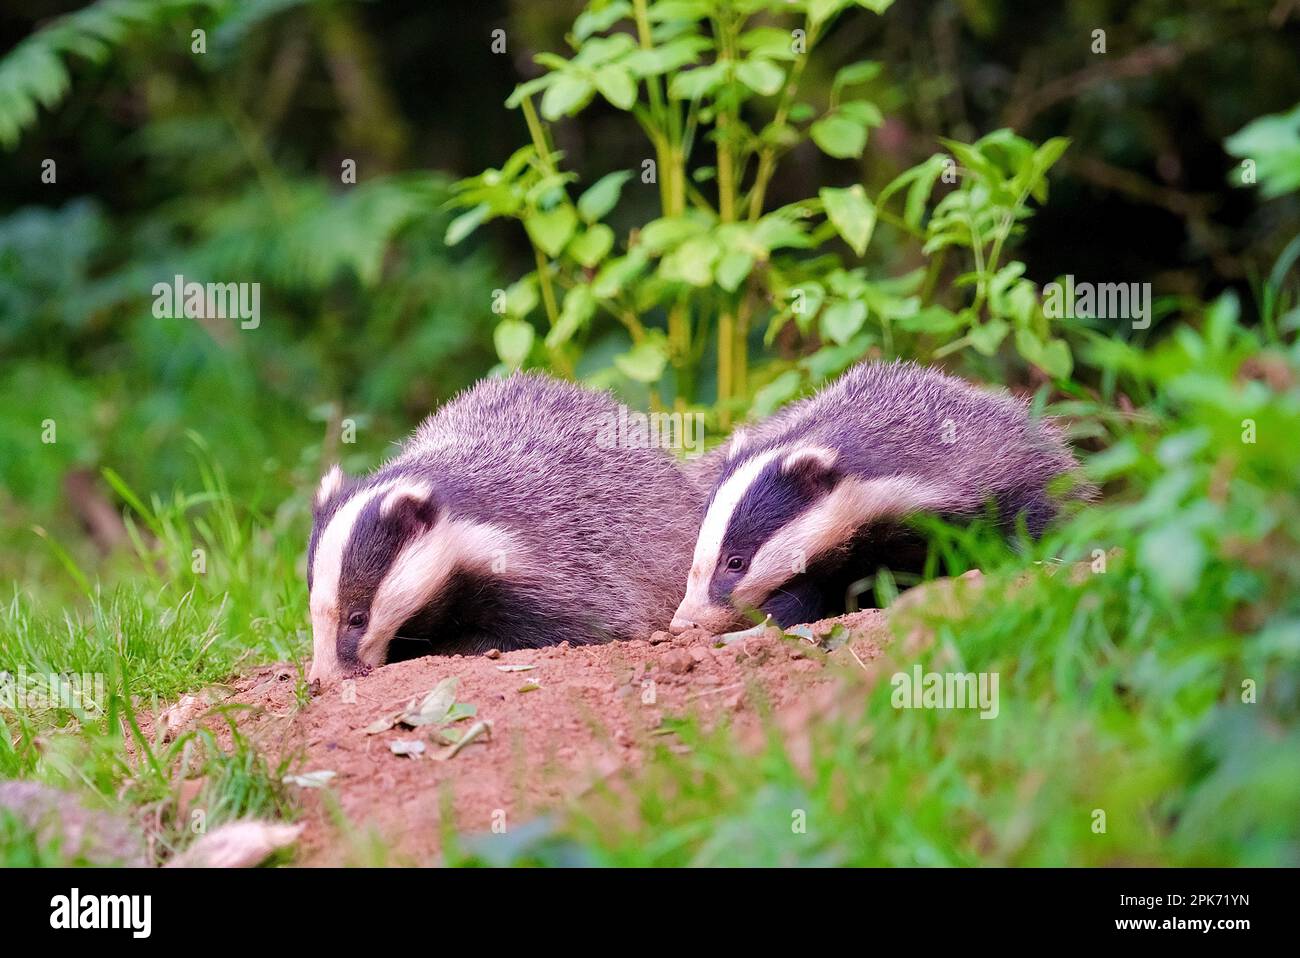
{"type": "Point", "coordinates": [595, 712]}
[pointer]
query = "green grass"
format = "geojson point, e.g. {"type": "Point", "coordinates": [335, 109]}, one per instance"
{"type": "Point", "coordinates": [170, 624]}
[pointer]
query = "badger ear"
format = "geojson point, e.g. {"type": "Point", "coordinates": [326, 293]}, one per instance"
{"type": "Point", "coordinates": [812, 467]}
{"type": "Point", "coordinates": [410, 504]}
{"type": "Point", "coordinates": [739, 439]}
{"type": "Point", "coordinates": [329, 486]}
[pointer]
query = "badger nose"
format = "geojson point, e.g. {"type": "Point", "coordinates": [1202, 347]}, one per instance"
{"type": "Point", "coordinates": [679, 625]}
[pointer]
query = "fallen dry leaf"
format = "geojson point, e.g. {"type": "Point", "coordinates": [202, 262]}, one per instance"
{"type": "Point", "coordinates": [471, 733]}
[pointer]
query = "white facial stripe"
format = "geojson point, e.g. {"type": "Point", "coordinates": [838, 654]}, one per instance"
{"type": "Point", "coordinates": [714, 528]}
{"type": "Point", "coordinates": [422, 569]}
{"type": "Point", "coordinates": [326, 568]}
{"type": "Point", "coordinates": [850, 505]}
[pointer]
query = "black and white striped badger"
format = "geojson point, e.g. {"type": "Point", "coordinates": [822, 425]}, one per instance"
{"type": "Point", "coordinates": [508, 520]}
{"type": "Point", "coordinates": [811, 500]}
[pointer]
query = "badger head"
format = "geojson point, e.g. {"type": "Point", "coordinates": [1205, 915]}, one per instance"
{"type": "Point", "coordinates": [381, 552]}
{"type": "Point", "coordinates": [771, 516]}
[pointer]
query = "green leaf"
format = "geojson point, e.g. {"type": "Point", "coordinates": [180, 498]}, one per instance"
{"type": "Point", "coordinates": [602, 196]}
{"type": "Point", "coordinates": [525, 90]}
{"type": "Point", "coordinates": [692, 262]}
{"type": "Point", "coordinates": [819, 11]}
{"type": "Point", "coordinates": [616, 85]}
{"type": "Point", "coordinates": [988, 337]}
{"type": "Point", "coordinates": [521, 297]}
{"type": "Point", "coordinates": [591, 246]}
{"type": "Point", "coordinates": [839, 136]}
{"type": "Point", "coordinates": [1272, 144]}
{"type": "Point", "coordinates": [513, 339]}
{"type": "Point", "coordinates": [465, 224]}
{"type": "Point", "coordinates": [862, 111]}
{"type": "Point", "coordinates": [663, 234]}
{"type": "Point", "coordinates": [598, 21]}
{"type": "Point", "coordinates": [567, 95]}
{"type": "Point", "coordinates": [1057, 361]}
{"type": "Point", "coordinates": [851, 213]}
{"type": "Point", "coordinates": [616, 273]}
{"type": "Point", "coordinates": [778, 392]}
{"type": "Point", "coordinates": [644, 362]}
{"type": "Point", "coordinates": [805, 300]}
{"type": "Point", "coordinates": [732, 269]}
{"type": "Point", "coordinates": [696, 83]}
{"type": "Point", "coordinates": [674, 55]}
{"type": "Point", "coordinates": [770, 42]}
{"type": "Point", "coordinates": [552, 230]}
{"type": "Point", "coordinates": [579, 304]}
{"type": "Point", "coordinates": [1052, 357]}
{"type": "Point", "coordinates": [762, 76]}
{"type": "Point", "coordinates": [863, 71]}
{"type": "Point", "coordinates": [843, 319]}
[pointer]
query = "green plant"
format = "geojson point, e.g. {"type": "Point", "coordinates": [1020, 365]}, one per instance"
{"type": "Point", "coordinates": [716, 264]}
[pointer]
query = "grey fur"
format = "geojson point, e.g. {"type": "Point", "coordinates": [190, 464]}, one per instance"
{"type": "Point", "coordinates": [889, 418]}
{"type": "Point", "coordinates": [610, 528]}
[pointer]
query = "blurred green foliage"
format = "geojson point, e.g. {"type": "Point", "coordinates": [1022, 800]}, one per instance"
{"type": "Point", "coordinates": [729, 73]}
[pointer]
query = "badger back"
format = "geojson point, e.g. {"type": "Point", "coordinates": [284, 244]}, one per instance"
{"type": "Point", "coordinates": [965, 445]}
{"type": "Point", "coordinates": [609, 524]}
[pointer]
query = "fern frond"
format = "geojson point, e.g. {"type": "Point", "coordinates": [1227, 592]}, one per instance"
{"type": "Point", "coordinates": [35, 73]}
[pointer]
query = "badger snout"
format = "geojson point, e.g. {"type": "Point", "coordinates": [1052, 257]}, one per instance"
{"type": "Point", "coordinates": [711, 618]}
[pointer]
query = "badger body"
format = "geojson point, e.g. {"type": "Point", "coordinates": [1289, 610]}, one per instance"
{"type": "Point", "coordinates": [509, 520]}
{"type": "Point", "coordinates": [814, 498]}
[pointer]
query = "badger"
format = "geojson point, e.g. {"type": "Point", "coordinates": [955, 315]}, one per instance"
{"type": "Point", "coordinates": [810, 500]}
{"type": "Point", "coordinates": [508, 520]}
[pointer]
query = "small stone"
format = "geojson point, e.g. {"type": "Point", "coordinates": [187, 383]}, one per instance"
{"type": "Point", "coordinates": [660, 637]}
{"type": "Point", "coordinates": [622, 737]}
{"type": "Point", "coordinates": [698, 652]}
{"type": "Point", "coordinates": [678, 661]}
{"type": "Point", "coordinates": [493, 653]}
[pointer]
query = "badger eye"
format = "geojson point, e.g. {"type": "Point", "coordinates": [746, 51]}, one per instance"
{"type": "Point", "coordinates": [736, 563]}
{"type": "Point", "coordinates": [357, 620]}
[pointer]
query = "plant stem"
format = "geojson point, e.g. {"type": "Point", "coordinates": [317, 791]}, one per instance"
{"type": "Point", "coordinates": [536, 131]}
{"type": "Point", "coordinates": [767, 157]}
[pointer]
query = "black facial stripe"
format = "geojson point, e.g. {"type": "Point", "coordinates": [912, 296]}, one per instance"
{"type": "Point", "coordinates": [771, 501]}
{"type": "Point", "coordinates": [369, 554]}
